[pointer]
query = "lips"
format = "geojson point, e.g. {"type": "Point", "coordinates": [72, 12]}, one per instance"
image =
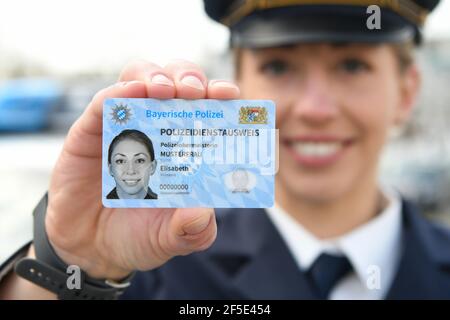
{"type": "Point", "coordinates": [317, 151]}
{"type": "Point", "coordinates": [131, 182]}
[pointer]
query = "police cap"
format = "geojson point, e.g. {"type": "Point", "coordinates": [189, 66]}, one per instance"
{"type": "Point", "coordinates": [267, 23]}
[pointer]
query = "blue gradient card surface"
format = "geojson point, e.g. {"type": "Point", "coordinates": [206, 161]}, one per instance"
{"type": "Point", "coordinates": [188, 153]}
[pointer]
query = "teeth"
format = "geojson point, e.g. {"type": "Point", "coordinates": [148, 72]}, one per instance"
{"type": "Point", "coordinates": [131, 181]}
{"type": "Point", "coordinates": [316, 149]}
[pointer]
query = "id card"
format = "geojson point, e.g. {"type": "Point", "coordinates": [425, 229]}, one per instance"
{"type": "Point", "coordinates": [188, 153]}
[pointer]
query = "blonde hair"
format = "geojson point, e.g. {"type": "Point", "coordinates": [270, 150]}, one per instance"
{"type": "Point", "coordinates": [405, 54]}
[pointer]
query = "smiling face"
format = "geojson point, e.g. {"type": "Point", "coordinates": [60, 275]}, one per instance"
{"type": "Point", "coordinates": [335, 106]}
{"type": "Point", "coordinates": [131, 167]}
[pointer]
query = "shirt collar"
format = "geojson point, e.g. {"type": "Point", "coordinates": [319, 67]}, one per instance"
{"type": "Point", "coordinates": [376, 243]}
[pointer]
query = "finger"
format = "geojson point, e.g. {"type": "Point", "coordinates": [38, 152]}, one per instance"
{"type": "Point", "coordinates": [85, 135]}
{"type": "Point", "coordinates": [192, 229]}
{"type": "Point", "coordinates": [158, 81]}
{"type": "Point", "coordinates": [222, 89]}
{"type": "Point", "coordinates": [190, 80]}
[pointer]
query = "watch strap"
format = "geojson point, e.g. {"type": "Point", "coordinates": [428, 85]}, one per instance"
{"type": "Point", "coordinates": [50, 272]}
{"type": "Point", "coordinates": [55, 281]}
{"type": "Point", "coordinates": [8, 266]}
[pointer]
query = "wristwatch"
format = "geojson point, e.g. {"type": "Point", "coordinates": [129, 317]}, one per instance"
{"type": "Point", "coordinates": [50, 272]}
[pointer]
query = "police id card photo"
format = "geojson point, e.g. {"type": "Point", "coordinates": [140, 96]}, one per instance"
{"type": "Point", "coordinates": [188, 153]}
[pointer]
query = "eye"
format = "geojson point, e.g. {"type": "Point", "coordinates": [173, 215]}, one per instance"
{"type": "Point", "coordinates": [353, 65]}
{"type": "Point", "coordinates": [120, 161]}
{"type": "Point", "coordinates": [140, 160]}
{"type": "Point", "coordinates": [276, 67]}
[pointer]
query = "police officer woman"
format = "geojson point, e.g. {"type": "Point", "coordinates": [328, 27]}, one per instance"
{"type": "Point", "coordinates": [340, 84]}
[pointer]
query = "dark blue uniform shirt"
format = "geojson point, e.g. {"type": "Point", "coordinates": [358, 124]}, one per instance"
{"type": "Point", "coordinates": [250, 260]}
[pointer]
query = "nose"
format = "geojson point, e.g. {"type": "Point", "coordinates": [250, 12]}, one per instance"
{"type": "Point", "coordinates": [131, 170]}
{"type": "Point", "coordinates": [314, 102]}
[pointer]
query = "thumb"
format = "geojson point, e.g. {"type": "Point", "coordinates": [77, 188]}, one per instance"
{"type": "Point", "coordinates": [192, 229]}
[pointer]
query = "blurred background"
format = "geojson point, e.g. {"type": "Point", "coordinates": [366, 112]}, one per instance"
{"type": "Point", "coordinates": [54, 56]}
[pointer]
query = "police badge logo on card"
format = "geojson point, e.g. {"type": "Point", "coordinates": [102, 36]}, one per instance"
{"type": "Point", "coordinates": [188, 153]}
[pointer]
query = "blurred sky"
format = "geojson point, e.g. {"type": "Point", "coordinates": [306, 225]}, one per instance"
{"type": "Point", "coordinates": [82, 35]}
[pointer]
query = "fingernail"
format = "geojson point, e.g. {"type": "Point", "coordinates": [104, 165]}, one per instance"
{"type": "Point", "coordinates": [161, 79]}
{"type": "Point", "coordinates": [120, 84]}
{"type": "Point", "coordinates": [192, 82]}
{"type": "Point", "coordinates": [223, 84]}
{"type": "Point", "coordinates": [125, 83]}
{"type": "Point", "coordinates": [197, 226]}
